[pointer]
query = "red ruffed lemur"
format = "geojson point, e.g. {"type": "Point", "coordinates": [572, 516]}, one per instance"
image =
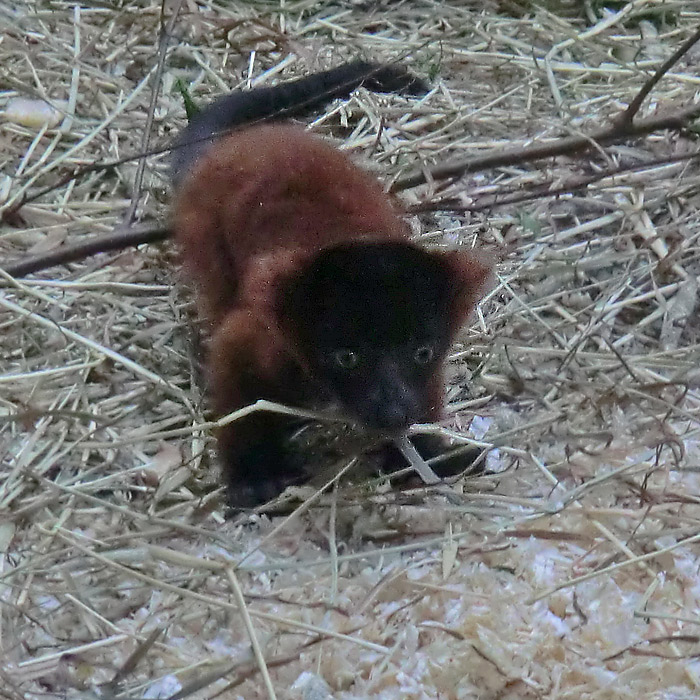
{"type": "Point", "coordinates": [305, 273]}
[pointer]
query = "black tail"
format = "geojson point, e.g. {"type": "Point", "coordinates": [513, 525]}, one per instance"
{"type": "Point", "coordinates": [291, 99]}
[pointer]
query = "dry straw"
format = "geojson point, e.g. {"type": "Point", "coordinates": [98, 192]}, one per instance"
{"type": "Point", "coordinates": [568, 570]}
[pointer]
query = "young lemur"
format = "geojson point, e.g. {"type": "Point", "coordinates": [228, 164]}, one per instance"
{"type": "Point", "coordinates": [303, 267]}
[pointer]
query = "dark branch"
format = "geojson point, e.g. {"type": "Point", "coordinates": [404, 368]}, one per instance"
{"type": "Point", "coordinates": [567, 146]}
{"type": "Point", "coordinates": [117, 240]}
{"type": "Point", "coordinates": [508, 197]}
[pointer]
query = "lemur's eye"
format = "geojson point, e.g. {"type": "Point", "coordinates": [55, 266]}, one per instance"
{"type": "Point", "coordinates": [423, 355]}
{"type": "Point", "coordinates": [346, 359]}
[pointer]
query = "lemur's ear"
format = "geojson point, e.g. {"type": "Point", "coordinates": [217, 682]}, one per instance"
{"type": "Point", "coordinates": [470, 276]}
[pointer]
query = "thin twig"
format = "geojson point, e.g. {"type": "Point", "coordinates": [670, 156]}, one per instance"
{"type": "Point", "coordinates": [630, 113]}
{"type": "Point", "coordinates": [165, 34]}
{"type": "Point", "coordinates": [255, 644]}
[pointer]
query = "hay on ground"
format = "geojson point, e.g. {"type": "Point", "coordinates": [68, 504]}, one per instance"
{"type": "Point", "coordinates": [569, 571]}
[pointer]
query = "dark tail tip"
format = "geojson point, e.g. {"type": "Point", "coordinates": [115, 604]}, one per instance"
{"type": "Point", "coordinates": [394, 78]}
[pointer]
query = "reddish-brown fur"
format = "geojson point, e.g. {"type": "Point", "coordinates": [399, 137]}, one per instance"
{"type": "Point", "coordinates": [271, 190]}
{"type": "Point", "coordinates": [256, 207]}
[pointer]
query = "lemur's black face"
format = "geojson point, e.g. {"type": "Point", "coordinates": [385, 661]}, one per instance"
{"type": "Point", "coordinates": [373, 321]}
